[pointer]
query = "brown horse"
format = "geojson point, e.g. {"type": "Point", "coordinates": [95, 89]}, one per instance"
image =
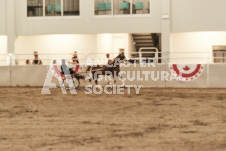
{"type": "Point", "coordinates": [112, 68]}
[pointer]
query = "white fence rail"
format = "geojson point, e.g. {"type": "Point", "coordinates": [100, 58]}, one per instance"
{"type": "Point", "coordinates": [169, 57]}
{"type": "Point", "coordinates": [212, 76]}
{"type": "Point", "coordinates": [14, 71]}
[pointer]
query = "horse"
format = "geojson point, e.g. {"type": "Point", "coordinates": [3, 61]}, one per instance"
{"type": "Point", "coordinates": [112, 68]}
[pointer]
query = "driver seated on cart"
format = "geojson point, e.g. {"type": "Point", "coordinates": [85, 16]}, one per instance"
{"type": "Point", "coordinates": [65, 70]}
{"type": "Point", "coordinates": [74, 63]}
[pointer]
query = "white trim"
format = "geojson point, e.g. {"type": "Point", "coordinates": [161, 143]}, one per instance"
{"type": "Point", "coordinates": [149, 7]}
{"type": "Point", "coordinates": [72, 17]}
{"type": "Point", "coordinates": [61, 9]}
{"type": "Point", "coordinates": [122, 16]}
{"type": "Point", "coordinates": [141, 15]}
{"type": "Point", "coordinates": [112, 7]}
{"type": "Point", "coordinates": [79, 7]}
{"type": "Point", "coordinates": [53, 18]}
{"type": "Point", "coordinates": [35, 18]}
{"type": "Point", "coordinates": [44, 6]}
{"type": "Point", "coordinates": [103, 16]}
{"type": "Point", "coordinates": [131, 7]}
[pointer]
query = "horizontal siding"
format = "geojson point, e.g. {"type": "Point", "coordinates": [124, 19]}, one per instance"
{"type": "Point", "coordinates": [198, 15]}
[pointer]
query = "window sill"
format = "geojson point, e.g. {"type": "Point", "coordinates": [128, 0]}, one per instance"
{"type": "Point", "coordinates": [53, 18]}
{"type": "Point", "coordinates": [122, 16]}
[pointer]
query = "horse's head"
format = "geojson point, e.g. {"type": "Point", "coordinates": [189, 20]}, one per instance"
{"type": "Point", "coordinates": [122, 56]}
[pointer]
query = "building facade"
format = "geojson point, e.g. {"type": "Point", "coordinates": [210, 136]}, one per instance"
{"type": "Point", "coordinates": [184, 25]}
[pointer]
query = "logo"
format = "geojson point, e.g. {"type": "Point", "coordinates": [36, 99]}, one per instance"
{"type": "Point", "coordinates": [186, 72]}
{"type": "Point", "coordinates": [55, 71]}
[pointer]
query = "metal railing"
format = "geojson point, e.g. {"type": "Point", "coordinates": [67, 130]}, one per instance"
{"type": "Point", "coordinates": [157, 57]}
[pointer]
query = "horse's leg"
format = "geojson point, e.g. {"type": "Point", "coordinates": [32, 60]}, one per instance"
{"type": "Point", "coordinates": [110, 82]}
{"type": "Point", "coordinates": [121, 79]}
{"type": "Point", "coordinates": [114, 76]}
{"type": "Point", "coordinates": [109, 77]}
{"type": "Point", "coordinates": [89, 73]}
{"type": "Point", "coordinates": [70, 82]}
{"type": "Point", "coordinates": [96, 80]}
{"type": "Point", "coordinates": [90, 80]}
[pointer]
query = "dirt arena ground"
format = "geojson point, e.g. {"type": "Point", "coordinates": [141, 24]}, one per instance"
{"type": "Point", "coordinates": [154, 120]}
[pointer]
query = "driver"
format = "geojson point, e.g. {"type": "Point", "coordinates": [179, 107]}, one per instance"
{"type": "Point", "coordinates": [65, 70]}
{"type": "Point", "coordinates": [75, 63]}
{"type": "Point", "coordinates": [74, 58]}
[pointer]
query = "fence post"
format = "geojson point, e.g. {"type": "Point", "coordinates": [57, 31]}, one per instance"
{"type": "Point", "coordinates": [208, 75]}
{"type": "Point", "coordinates": [10, 66]}
{"type": "Point", "coordinates": [165, 61]}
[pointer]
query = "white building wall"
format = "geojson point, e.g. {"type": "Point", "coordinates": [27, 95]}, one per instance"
{"type": "Point", "coordinates": [195, 47]}
{"type": "Point", "coordinates": [3, 44]}
{"type": "Point", "coordinates": [105, 43]}
{"type": "Point", "coordinates": [87, 23]}
{"type": "Point", "coordinates": [184, 16]}
{"type": "Point", "coordinates": [2, 17]}
{"type": "Point", "coordinates": [10, 25]}
{"type": "Point", "coordinates": [3, 50]}
{"type": "Point", "coordinates": [131, 46]}
{"type": "Point", "coordinates": [86, 45]}
{"type": "Point", "coordinates": [111, 43]}
{"type": "Point", "coordinates": [198, 15]}
{"type": "Point", "coordinates": [56, 44]}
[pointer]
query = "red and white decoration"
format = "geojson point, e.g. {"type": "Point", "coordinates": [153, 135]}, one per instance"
{"type": "Point", "coordinates": [186, 72]}
{"type": "Point", "coordinates": [55, 71]}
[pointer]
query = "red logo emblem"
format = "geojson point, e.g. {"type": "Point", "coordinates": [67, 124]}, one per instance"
{"type": "Point", "coordinates": [186, 72]}
{"type": "Point", "coordinates": [55, 71]}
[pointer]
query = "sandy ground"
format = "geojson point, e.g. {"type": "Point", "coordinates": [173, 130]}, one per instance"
{"type": "Point", "coordinates": [156, 119]}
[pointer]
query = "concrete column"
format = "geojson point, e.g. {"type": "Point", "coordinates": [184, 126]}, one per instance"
{"type": "Point", "coordinates": [10, 26]}
{"type": "Point", "coordinates": [166, 27]}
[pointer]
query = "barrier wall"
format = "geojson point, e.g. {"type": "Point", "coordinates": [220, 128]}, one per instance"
{"type": "Point", "coordinates": [217, 75]}
{"type": "Point", "coordinates": [28, 75]}
{"type": "Point", "coordinates": [200, 82]}
{"type": "Point", "coordinates": [5, 76]}
{"type": "Point", "coordinates": [212, 76]}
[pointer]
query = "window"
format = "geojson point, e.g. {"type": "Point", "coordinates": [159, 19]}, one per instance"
{"type": "Point", "coordinates": [34, 8]}
{"type": "Point", "coordinates": [103, 7]}
{"type": "Point", "coordinates": [141, 7]}
{"type": "Point", "coordinates": [219, 54]}
{"type": "Point", "coordinates": [53, 8]}
{"type": "Point", "coordinates": [71, 7]}
{"type": "Point", "coordinates": [122, 7]}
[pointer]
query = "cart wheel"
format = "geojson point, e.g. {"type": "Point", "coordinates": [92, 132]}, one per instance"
{"type": "Point", "coordinates": [76, 82]}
